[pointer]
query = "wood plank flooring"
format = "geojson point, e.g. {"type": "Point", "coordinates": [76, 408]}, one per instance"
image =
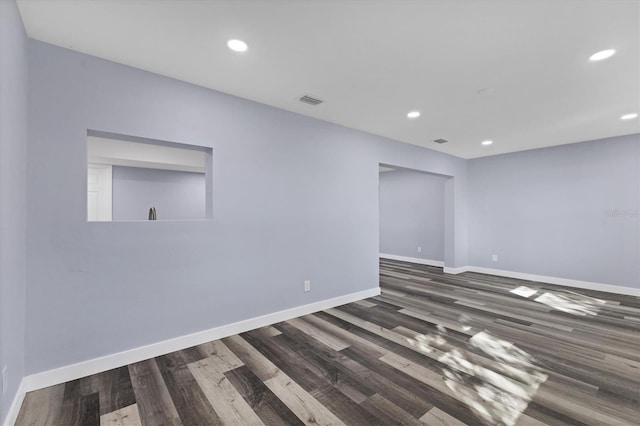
{"type": "Point", "coordinates": [432, 349]}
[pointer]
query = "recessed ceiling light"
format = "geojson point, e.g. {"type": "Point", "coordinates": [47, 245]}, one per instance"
{"type": "Point", "coordinates": [237, 45]}
{"type": "Point", "coordinates": [487, 143]}
{"type": "Point", "coordinates": [629, 116]}
{"type": "Point", "coordinates": [413, 114]}
{"type": "Point", "coordinates": [603, 54]}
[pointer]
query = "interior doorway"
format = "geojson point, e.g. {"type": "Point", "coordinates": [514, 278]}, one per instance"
{"type": "Point", "coordinates": [99, 190]}
{"type": "Point", "coordinates": [413, 215]}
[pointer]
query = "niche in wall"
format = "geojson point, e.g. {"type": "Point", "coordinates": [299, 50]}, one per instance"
{"type": "Point", "coordinates": [138, 179]}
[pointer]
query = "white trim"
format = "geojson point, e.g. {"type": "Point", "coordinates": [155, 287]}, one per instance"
{"type": "Point", "coordinates": [14, 408]}
{"type": "Point", "coordinates": [458, 270]}
{"type": "Point", "coordinates": [108, 362]}
{"type": "Point", "coordinates": [429, 262]}
{"type": "Point", "coordinates": [629, 291]}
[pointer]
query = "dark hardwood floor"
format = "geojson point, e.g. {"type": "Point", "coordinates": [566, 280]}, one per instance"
{"type": "Point", "coordinates": [433, 349]}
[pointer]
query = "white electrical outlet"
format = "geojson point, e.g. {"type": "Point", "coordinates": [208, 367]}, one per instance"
{"type": "Point", "coordinates": [307, 285]}
{"type": "Point", "coordinates": [4, 379]}
{"type": "Point", "coordinates": [419, 249]}
{"type": "Point", "coordinates": [494, 258]}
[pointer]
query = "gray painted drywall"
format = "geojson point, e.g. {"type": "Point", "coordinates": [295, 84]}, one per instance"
{"type": "Point", "coordinates": [569, 211]}
{"type": "Point", "coordinates": [13, 162]}
{"type": "Point", "coordinates": [294, 198]}
{"type": "Point", "coordinates": [175, 195]}
{"type": "Point", "coordinates": [412, 214]}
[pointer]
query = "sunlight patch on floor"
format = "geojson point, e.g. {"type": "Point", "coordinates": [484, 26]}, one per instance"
{"type": "Point", "coordinates": [524, 291]}
{"type": "Point", "coordinates": [498, 397]}
{"type": "Point", "coordinates": [575, 304]}
{"type": "Point", "coordinates": [497, 391]}
{"type": "Point", "coordinates": [567, 301]}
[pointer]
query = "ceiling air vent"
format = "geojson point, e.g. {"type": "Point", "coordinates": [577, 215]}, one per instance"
{"type": "Point", "coordinates": [441, 141]}
{"type": "Point", "coordinates": [311, 100]}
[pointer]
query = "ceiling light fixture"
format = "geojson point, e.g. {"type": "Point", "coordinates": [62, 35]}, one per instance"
{"type": "Point", "coordinates": [237, 45]}
{"type": "Point", "coordinates": [486, 143]}
{"type": "Point", "coordinates": [629, 116]}
{"type": "Point", "coordinates": [603, 54]}
{"type": "Point", "coordinates": [413, 114]}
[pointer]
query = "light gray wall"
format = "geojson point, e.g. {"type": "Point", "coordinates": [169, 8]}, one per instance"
{"type": "Point", "coordinates": [412, 214]}
{"type": "Point", "coordinates": [293, 199]}
{"type": "Point", "coordinates": [174, 194]}
{"type": "Point", "coordinates": [569, 211]}
{"type": "Point", "coordinates": [13, 148]}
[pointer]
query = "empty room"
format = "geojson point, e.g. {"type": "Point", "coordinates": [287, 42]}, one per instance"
{"type": "Point", "coordinates": [319, 212]}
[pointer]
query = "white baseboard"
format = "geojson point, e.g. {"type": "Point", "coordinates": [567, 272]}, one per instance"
{"type": "Point", "coordinates": [14, 409]}
{"type": "Point", "coordinates": [455, 271]}
{"type": "Point", "coordinates": [428, 262]}
{"type": "Point", "coordinates": [108, 362]}
{"type": "Point", "coordinates": [628, 291]}
{"type": "Point", "coordinates": [586, 285]}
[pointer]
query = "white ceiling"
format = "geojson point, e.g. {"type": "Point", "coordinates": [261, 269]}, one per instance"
{"type": "Point", "coordinates": [515, 72]}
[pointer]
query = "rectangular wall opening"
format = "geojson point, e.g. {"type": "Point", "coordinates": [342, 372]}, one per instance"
{"type": "Point", "coordinates": [138, 179]}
